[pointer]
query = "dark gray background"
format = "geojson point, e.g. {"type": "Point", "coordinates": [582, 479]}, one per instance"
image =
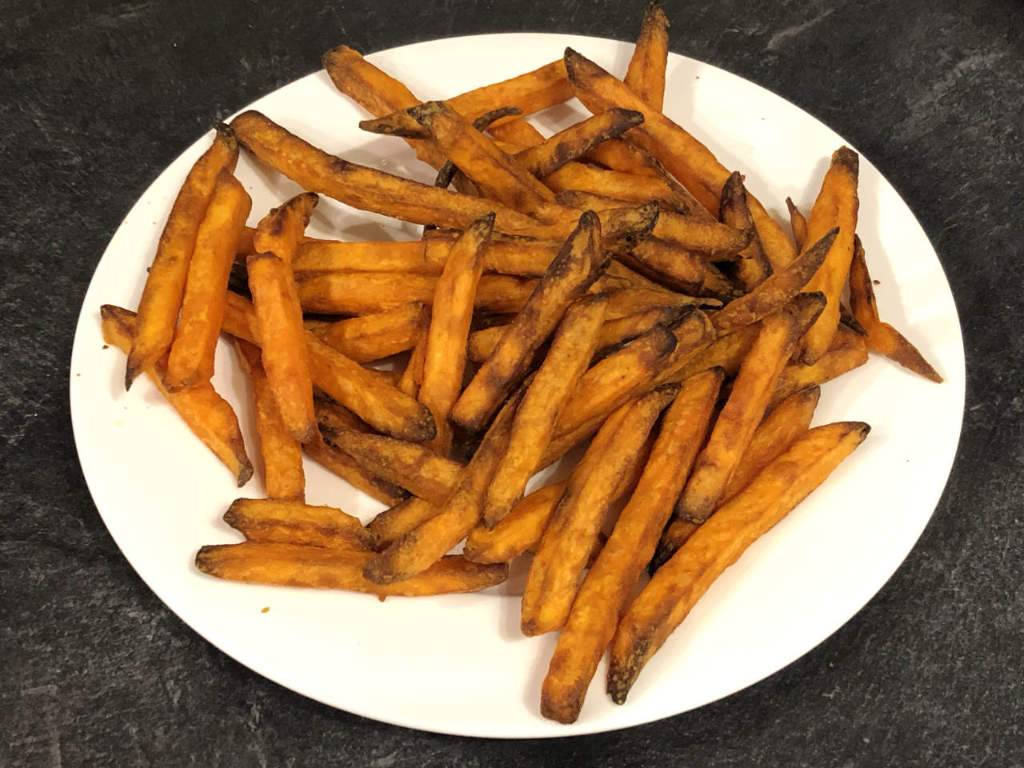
{"type": "Point", "coordinates": [97, 97]}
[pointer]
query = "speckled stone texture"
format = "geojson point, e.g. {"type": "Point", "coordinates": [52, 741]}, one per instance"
{"type": "Point", "coordinates": [97, 97]}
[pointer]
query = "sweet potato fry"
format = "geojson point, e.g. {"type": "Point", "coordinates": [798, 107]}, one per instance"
{"type": "Point", "coordinates": [165, 283]}
{"type": "Point", "coordinates": [685, 157]}
{"type": "Point", "coordinates": [364, 188]}
{"type": "Point", "coordinates": [575, 141]}
{"type": "Point", "coordinates": [292, 522]}
{"type": "Point", "coordinates": [444, 361]}
{"type": "Point", "coordinates": [413, 466]}
{"type": "Point", "coordinates": [378, 335]}
{"type": "Point", "coordinates": [632, 301]}
{"type": "Point", "coordinates": [501, 176]}
{"type": "Point", "coordinates": [881, 337]}
{"type": "Point", "coordinates": [332, 416]}
{"type": "Point", "coordinates": [645, 75]}
{"type": "Point", "coordinates": [848, 351]}
{"type": "Point", "coordinates": [521, 257]}
{"type": "Point", "coordinates": [627, 187]}
{"type": "Point", "coordinates": [418, 549]}
{"type": "Point", "coordinates": [412, 376]}
{"type": "Point", "coordinates": [518, 132]}
{"type": "Point", "coordinates": [740, 416]}
{"type": "Point", "coordinates": [773, 437]}
{"type": "Point", "coordinates": [775, 291]}
{"type": "Point", "coordinates": [207, 414]}
{"type": "Point", "coordinates": [561, 556]}
{"type": "Point", "coordinates": [836, 206]}
{"type": "Point", "coordinates": [394, 522]}
{"type": "Point", "coordinates": [283, 476]}
{"type": "Point", "coordinates": [190, 360]}
{"type": "Point", "coordinates": [668, 264]}
{"type": "Point", "coordinates": [726, 352]}
{"type": "Point", "coordinates": [320, 256]}
{"type": "Point", "coordinates": [345, 467]}
{"type": "Point", "coordinates": [571, 349]}
{"type": "Point", "coordinates": [677, 585]}
{"type": "Point", "coordinates": [298, 566]}
{"type": "Point", "coordinates": [447, 173]}
{"type": "Point", "coordinates": [752, 267]}
{"type": "Point", "coordinates": [797, 223]}
{"type": "Point", "coordinates": [359, 293]}
{"type": "Point", "coordinates": [282, 338]}
{"type": "Point", "coordinates": [610, 581]}
{"type": "Point", "coordinates": [567, 278]}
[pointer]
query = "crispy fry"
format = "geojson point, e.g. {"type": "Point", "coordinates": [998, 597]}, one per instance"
{"type": "Point", "coordinates": [752, 267]}
{"type": "Point", "coordinates": [848, 351]}
{"type": "Point", "coordinates": [677, 585]}
{"type": "Point", "coordinates": [298, 566]}
{"type": "Point", "coordinates": [726, 352]}
{"type": "Point", "coordinates": [631, 301]}
{"type": "Point", "coordinates": [518, 132]}
{"type": "Point", "coordinates": [740, 416]}
{"type": "Point", "coordinates": [364, 188]}
{"type": "Point", "coordinates": [798, 224]}
{"type": "Point", "coordinates": [190, 360]}
{"type": "Point", "coordinates": [165, 283]}
{"type": "Point", "coordinates": [645, 75]}
{"type": "Point", "coordinates": [572, 348]}
{"type": "Point", "coordinates": [283, 476]}
{"type": "Point", "coordinates": [207, 414]}
{"type": "Point", "coordinates": [444, 361]}
{"type": "Point", "coordinates": [881, 337]}
{"type": "Point", "coordinates": [447, 173]}
{"type": "Point", "coordinates": [608, 585]}
{"type": "Point", "coordinates": [836, 206]}
{"type": "Point", "coordinates": [627, 187]}
{"type": "Point", "coordinates": [282, 338]}
{"type": "Point", "coordinates": [481, 160]}
{"type": "Point", "coordinates": [332, 416]}
{"type": "Point", "coordinates": [320, 256]}
{"type": "Point", "coordinates": [348, 470]}
{"type": "Point", "coordinates": [359, 293]}
{"type": "Point", "coordinates": [394, 522]}
{"type": "Point", "coordinates": [668, 264]}
{"type": "Point", "coordinates": [377, 335]}
{"type": "Point", "coordinates": [282, 230]}
{"type": "Point", "coordinates": [685, 157]}
{"type": "Point", "coordinates": [412, 376]}
{"type": "Point", "coordinates": [413, 466]}
{"type": "Point", "coordinates": [561, 556]}
{"type": "Point", "coordinates": [518, 532]}
{"type": "Point", "coordinates": [292, 522]}
{"type": "Point", "coordinates": [567, 278]}
{"type": "Point", "coordinates": [515, 256]}
{"type": "Point", "coordinates": [418, 549]}
{"type": "Point", "coordinates": [575, 141]}
{"type": "Point", "coordinates": [775, 291]}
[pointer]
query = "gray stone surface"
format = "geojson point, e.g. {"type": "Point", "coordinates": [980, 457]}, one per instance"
{"type": "Point", "coordinates": [97, 97]}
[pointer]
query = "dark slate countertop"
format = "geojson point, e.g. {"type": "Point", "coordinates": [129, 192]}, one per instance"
{"type": "Point", "coordinates": [96, 98]}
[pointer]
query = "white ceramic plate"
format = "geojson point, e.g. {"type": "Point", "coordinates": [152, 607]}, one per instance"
{"type": "Point", "coordinates": [457, 664]}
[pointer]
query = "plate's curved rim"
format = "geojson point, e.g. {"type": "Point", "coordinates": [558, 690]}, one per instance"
{"type": "Point", "coordinates": [212, 634]}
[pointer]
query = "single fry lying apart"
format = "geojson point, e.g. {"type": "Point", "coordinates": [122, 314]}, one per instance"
{"type": "Point", "coordinates": [718, 543]}
{"type": "Point", "coordinates": [291, 565]}
{"type": "Point", "coordinates": [292, 522]}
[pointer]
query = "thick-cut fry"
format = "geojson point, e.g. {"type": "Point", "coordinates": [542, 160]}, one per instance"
{"type": "Point", "coordinates": [740, 416]}
{"type": "Point", "coordinates": [797, 223]}
{"type": "Point", "coordinates": [509, 256]}
{"type": "Point", "coordinates": [677, 585]}
{"type": "Point", "coordinates": [283, 476]}
{"type": "Point", "coordinates": [282, 230]}
{"type": "Point", "coordinates": [752, 267]}
{"type": "Point", "coordinates": [418, 549]}
{"type": "Point", "coordinates": [631, 301]}
{"type": "Point", "coordinates": [319, 256]}
{"type": "Point", "coordinates": [165, 283]}
{"type": "Point", "coordinates": [561, 556]}
{"type": "Point", "coordinates": [881, 337]}
{"type": "Point", "coordinates": [299, 566]}
{"type": "Point", "coordinates": [279, 317]}
{"type": "Point", "coordinates": [627, 187]}
{"type": "Point", "coordinates": [190, 360]}
{"type": "Point", "coordinates": [207, 414]}
{"type": "Point", "coordinates": [773, 437]}
{"type": "Point", "coordinates": [775, 291]}
{"type": "Point", "coordinates": [518, 532]}
{"type": "Point", "coordinates": [848, 351]}
{"type": "Point", "coordinates": [394, 522]}
{"type": "Point", "coordinates": [332, 416]}
{"type": "Point", "coordinates": [377, 335]}
{"type": "Point", "coordinates": [836, 206]}
{"type": "Point", "coordinates": [481, 160]}
{"type": "Point", "coordinates": [444, 361]}
{"type": "Point", "coordinates": [571, 349]}
{"type": "Point", "coordinates": [345, 467]}
{"type": "Point", "coordinates": [362, 187]}
{"type": "Point", "coordinates": [518, 132]}
{"type": "Point", "coordinates": [668, 264]}
{"type": "Point", "coordinates": [576, 140]}
{"type": "Point", "coordinates": [645, 75]}
{"type": "Point", "coordinates": [685, 157]}
{"type": "Point", "coordinates": [292, 522]}
{"type": "Point", "coordinates": [726, 352]}
{"type": "Point", "coordinates": [360, 293]}
{"type": "Point", "coordinates": [609, 582]}
{"type": "Point", "coordinates": [569, 276]}
{"type": "Point", "coordinates": [413, 466]}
